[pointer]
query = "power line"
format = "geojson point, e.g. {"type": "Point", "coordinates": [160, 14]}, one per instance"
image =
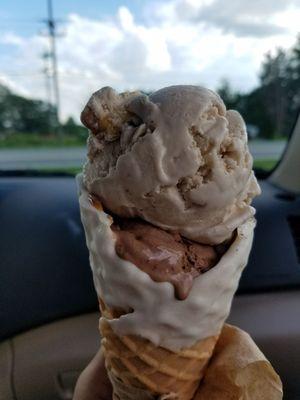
{"type": "Point", "coordinates": [39, 73]}
{"type": "Point", "coordinates": [27, 20]}
{"type": "Point", "coordinates": [12, 21]}
{"type": "Point", "coordinates": [25, 23]}
{"type": "Point", "coordinates": [21, 74]}
{"type": "Point", "coordinates": [21, 23]}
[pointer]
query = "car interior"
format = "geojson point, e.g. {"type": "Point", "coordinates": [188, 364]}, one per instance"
{"type": "Point", "coordinates": [48, 307]}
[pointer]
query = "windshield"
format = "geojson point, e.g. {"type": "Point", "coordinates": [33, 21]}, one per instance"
{"type": "Point", "coordinates": [54, 54]}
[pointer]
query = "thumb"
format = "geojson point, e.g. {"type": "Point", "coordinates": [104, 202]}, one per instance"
{"type": "Point", "coordinates": [93, 383]}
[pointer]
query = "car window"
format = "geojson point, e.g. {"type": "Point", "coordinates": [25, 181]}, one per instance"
{"type": "Point", "coordinates": [53, 58]}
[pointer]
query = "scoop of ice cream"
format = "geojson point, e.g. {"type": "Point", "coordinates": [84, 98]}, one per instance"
{"type": "Point", "coordinates": [164, 256]}
{"type": "Point", "coordinates": [175, 158]}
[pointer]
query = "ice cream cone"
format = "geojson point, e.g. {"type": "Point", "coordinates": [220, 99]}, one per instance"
{"type": "Point", "coordinates": [140, 370]}
{"type": "Point", "coordinates": [156, 346]}
{"type": "Point", "coordinates": [176, 159]}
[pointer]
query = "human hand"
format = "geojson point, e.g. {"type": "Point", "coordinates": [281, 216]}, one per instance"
{"type": "Point", "coordinates": [93, 383]}
{"type": "Point", "coordinates": [238, 369]}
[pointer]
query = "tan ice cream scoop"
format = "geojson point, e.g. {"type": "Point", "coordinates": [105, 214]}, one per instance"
{"type": "Point", "coordinates": [175, 158]}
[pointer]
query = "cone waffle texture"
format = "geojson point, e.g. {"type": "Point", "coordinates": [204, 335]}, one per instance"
{"type": "Point", "coordinates": [140, 370]}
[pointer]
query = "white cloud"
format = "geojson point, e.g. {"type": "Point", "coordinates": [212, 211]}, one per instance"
{"type": "Point", "coordinates": [169, 46]}
{"type": "Point", "coordinates": [12, 39]}
{"type": "Point", "coordinates": [126, 19]}
{"type": "Point", "coordinates": [13, 86]}
{"type": "Point", "coordinates": [288, 19]}
{"type": "Point", "coordinates": [249, 19]}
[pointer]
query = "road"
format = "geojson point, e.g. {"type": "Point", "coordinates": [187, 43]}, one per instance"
{"type": "Point", "coordinates": [69, 157]}
{"type": "Point", "coordinates": [264, 149]}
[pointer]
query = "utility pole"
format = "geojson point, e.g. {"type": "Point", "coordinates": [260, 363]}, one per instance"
{"type": "Point", "coordinates": [48, 80]}
{"type": "Point", "coordinates": [51, 24]}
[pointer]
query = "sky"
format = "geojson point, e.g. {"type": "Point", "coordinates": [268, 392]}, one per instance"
{"type": "Point", "coordinates": [141, 44]}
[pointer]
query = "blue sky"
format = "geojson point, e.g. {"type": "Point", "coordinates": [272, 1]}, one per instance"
{"type": "Point", "coordinates": [25, 17]}
{"type": "Point", "coordinates": [141, 44]}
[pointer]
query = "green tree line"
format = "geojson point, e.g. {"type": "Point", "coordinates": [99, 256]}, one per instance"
{"type": "Point", "coordinates": [274, 105]}
{"type": "Point", "coordinates": [22, 115]}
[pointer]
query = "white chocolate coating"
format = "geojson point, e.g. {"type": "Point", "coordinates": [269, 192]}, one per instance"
{"type": "Point", "coordinates": [157, 315]}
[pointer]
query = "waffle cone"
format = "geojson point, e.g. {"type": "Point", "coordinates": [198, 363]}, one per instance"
{"type": "Point", "coordinates": [140, 370]}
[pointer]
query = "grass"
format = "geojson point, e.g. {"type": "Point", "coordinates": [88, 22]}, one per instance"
{"type": "Point", "coordinates": [266, 165]}
{"type": "Point", "coordinates": [32, 140]}
{"type": "Point", "coordinates": [66, 170]}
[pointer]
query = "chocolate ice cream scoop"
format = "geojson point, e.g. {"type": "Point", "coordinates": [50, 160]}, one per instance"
{"type": "Point", "coordinates": [164, 256]}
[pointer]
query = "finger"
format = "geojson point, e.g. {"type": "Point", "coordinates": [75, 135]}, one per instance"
{"type": "Point", "coordinates": [93, 383]}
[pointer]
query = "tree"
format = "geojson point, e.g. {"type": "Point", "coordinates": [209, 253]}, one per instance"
{"type": "Point", "coordinates": [71, 128]}
{"type": "Point", "coordinates": [252, 107]}
{"type": "Point", "coordinates": [274, 79]}
{"type": "Point", "coordinates": [280, 84]}
{"type": "Point", "coordinates": [18, 114]}
{"type": "Point", "coordinates": [274, 104]}
{"type": "Point", "coordinates": [21, 115]}
{"type": "Point", "coordinates": [294, 79]}
{"type": "Point", "coordinates": [230, 97]}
